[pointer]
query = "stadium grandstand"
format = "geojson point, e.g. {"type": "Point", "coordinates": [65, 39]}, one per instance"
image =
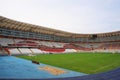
{"type": "Point", "coordinates": [23, 38]}
{"type": "Point", "coordinates": [19, 38]}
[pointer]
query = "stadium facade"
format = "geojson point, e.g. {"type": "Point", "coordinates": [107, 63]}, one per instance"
{"type": "Point", "coordinates": [22, 38]}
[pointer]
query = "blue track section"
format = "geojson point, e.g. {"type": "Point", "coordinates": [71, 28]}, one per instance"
{"type": "Point", "coordinates": [16, 68]}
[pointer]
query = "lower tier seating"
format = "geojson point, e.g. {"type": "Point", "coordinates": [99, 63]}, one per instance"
{"type": "Point", "coordinates": [14, 51]}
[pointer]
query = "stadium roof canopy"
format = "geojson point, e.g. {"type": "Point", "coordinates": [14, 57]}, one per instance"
{"type": "Point", "coordinates": [16, 25]}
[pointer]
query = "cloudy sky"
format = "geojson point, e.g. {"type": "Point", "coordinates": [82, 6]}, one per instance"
{"type": "Point", "coordinates": [77, 16]}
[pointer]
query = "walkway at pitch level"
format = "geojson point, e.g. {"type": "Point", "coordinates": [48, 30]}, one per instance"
{"type": "Point", "coordinates": [17, 68]}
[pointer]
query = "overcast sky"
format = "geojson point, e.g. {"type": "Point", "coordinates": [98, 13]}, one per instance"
{"type": "Point", "coordinates": [77, 16]}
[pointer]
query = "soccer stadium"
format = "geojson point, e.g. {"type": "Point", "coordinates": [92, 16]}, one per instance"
{"type": "Point", "coordinates": [59, 39]}
{"type": "Point", "coordinates": [29, 51]}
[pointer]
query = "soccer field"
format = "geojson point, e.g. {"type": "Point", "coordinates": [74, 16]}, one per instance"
{"type": "Point", "coordinates": [89, 63]}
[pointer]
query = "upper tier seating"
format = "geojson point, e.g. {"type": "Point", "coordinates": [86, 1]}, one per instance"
{"type": "Point", "coordinates": [6, 41]}
{"type": "Point", "coordinates": [52, 44]}
{"type": "Point", "coordinates": [26, 43]}
{"type": "Point", "coordinates": [74, 46]}
{"type": "Point", "coordinates": [110, 46]}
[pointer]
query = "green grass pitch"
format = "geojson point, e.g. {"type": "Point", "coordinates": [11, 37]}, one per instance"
{"type": "Point", "coordinates": [89, 63]}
